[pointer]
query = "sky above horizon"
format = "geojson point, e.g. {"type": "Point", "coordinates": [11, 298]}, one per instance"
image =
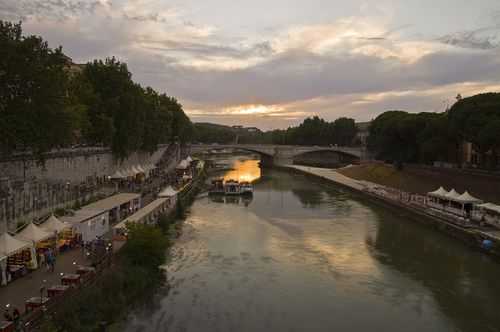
{"type": "Point", "coordinates": [270, 64]}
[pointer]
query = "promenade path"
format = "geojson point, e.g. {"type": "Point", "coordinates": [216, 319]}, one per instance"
{"type": "Point", "coordinates": [28, 286]}
{"type": "Point", "coordinates": [332, 175]}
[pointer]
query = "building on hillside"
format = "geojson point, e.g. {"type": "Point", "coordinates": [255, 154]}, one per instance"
{"type": "Point", "coordinates": [253, 130]}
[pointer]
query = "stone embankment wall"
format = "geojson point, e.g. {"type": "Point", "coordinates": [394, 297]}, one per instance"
{"type": "Point", "coordinates": [29, 190]}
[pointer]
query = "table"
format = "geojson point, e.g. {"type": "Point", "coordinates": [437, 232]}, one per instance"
{"type": "Point", "coordinates": [81, 270]}
{"type": "Point", "coordinates": [17, 271]}
{"type": "Point", "coordinates": [56, 290]}
{"type": "Point", "coordinates": [6, 326]}
{"type": "Point", "coordinates": [35, 302]}
{"type": "Point", "coordinates": [70, 279]}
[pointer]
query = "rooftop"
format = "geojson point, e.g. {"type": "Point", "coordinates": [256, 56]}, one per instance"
{"type": "Point", "coordinates": [111, 202]}
{"type": "Point", "coordinates": [82, 215]}
{"type": "Point", "coordinates": [144, 212]}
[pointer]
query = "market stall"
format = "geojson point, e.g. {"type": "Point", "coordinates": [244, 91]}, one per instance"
{"type": "Point", "coordinates": [65, 237]}
{"type": "Point", "coordinates": [437, 198]}
{"type": "Point", "coordinates": [17, 257]}
{"type": "Point", "coordinates": [41, 239]}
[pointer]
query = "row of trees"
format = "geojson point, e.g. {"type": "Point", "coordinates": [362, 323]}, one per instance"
{"type": "Point", "coordinates": [47, 102]}
{"type": "Point", "coordinates": [312, 131]}
{"type": "Point", "coordinates": [427, 137]}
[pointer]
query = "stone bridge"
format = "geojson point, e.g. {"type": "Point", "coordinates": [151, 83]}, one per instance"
{"type": "Point", "coordinates": [285, 154]}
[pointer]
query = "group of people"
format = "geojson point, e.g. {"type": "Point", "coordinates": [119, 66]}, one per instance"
{"type": "Point", "coordinates": [48, 258]}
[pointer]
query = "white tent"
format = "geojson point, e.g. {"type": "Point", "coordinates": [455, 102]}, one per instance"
{"type": "Point", "coordinates": [118, 175]}
{"type": "Point", "coordinates": [140, 169]}
{"type": "Point", "coordinates": [189, 159]}
{"type": "Point", "coordinates": [128, 172]}
{"type": "Point", "coordinates": [468, 198]}
{"type": "Point", "coordinates": [54, 225]}
{"type": "Point", "coordinates": [441, 193]}
{"type": "Point", "coordinates": [168, 192]}
{"type": "Point", "coordinates": [183, 164]}
{"type": "Point", "coordinates": [33, 233]}
{"type": "Point", "coordinates": [9, 245]}
{"type": "Point", "coordinates": [452, 195]}
{"type": "Point", "coordinates": [135, 170]}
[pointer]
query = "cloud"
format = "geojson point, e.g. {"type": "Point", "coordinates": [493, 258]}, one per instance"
{"type": "Point", "coordinates": [59, 9]}
{"type": "Point", "coordinates": [355, 65]}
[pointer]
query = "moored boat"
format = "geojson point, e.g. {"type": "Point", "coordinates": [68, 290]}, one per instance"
{"type": "Point", "coordinates": [246, 188]}
{"type": "Point", "coordinates": [232, 187]}
{"type": "Point", "coordinates": [217, 187]}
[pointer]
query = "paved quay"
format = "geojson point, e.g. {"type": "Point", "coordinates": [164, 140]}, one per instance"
{"type": "Point", "coordinates": [17, 292]}
{"type": "Point", "coordinates": [332, 175]}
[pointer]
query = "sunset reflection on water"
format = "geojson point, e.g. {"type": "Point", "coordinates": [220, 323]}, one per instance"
{"type": "Point", "coordinates": [244, 170]}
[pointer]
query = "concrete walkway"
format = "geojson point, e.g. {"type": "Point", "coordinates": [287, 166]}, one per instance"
{"type": "Point", "coordinates": [28, 286]}
{"type": "Point", "coordinates": [332, 175]}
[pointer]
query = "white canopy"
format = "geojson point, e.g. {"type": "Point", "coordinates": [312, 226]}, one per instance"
{"type": "Point", "coordinates": [118, 175]}
{"type": "Point", "coordinates": [129, 172]}
{"type": "Point", "coordinates": [54, 225]}
{"type": "Point", "coordinates": [441, 192]}
{"type": "Point", "coordinates": [189, 159]}
{"type": "Point", "coordinates": [468, 198]}
{"type": "Point", "coordinates": [183, 164]}
{"type": "Point", "coordinates": [168, 192]}
{"type": "Point", "coordinates": [10, 245]}
{"type": "Point", "coordinates": [135, 170]}
{"type": "Point", "coordinates": [490, 207]}
{"type": "Point", "coordinates": [452, 195]}
{"type": "Point", "coordinates": [140, 169]}
{"type": "Point", "coordinates": [33, 233]}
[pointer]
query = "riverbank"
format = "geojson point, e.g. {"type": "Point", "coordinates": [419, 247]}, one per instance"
{"type": "Point", "coordinates": [132, 275]}
{"type": "Point", "coordinates": [471, 236]}
{"type": "Point", "coordinates": [423, 179]}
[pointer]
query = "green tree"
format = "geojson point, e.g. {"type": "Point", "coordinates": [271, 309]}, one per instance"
{"type": "Point", "coordinates": [34, 112]}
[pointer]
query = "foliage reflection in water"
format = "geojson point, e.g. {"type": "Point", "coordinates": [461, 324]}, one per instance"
{"type": "Point", "coordinates": [304, 256]}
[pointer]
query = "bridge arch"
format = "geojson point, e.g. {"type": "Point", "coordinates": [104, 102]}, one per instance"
{"type": "Point", "coordinates": [324, 157]}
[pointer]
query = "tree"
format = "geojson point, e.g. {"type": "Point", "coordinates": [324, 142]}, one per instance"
{"type": "Point", "coordinates": [344, 131]}
{"type": "Point", "coordinates": [34, 112]}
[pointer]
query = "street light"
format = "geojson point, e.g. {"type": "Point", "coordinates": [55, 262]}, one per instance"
{"type": "Point", "coordinates": [42, 288]}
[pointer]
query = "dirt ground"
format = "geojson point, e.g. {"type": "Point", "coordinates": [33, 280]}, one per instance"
{"type": "Point", "coordinates": [423, 180]}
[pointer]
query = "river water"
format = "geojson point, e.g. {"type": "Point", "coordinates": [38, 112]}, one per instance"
{"type": "Point", "coordinates": [302, 255]}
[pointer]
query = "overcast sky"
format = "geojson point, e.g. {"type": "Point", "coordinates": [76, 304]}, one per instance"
{"type": "Point", "coordinates": [271, 63]}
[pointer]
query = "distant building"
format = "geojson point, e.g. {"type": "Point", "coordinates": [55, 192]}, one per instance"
{"type": "Point", "coordinates": [240, 129]}
{"type": "Point", "coordinates": [253, 130]}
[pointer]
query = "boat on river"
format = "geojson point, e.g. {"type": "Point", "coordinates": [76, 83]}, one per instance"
{"type": "Point", "coordinates": [217, 187]}
{"type": "Point", "coordinates": [232, 187]}
{"type": "Point", "coordinates": [246, 188]}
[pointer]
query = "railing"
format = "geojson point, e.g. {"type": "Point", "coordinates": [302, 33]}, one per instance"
{"type": "Point", "coordinates": [30, 321]}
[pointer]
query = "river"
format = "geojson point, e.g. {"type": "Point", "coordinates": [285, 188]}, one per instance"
{"type": "Point", "coordinates": [303, 255]}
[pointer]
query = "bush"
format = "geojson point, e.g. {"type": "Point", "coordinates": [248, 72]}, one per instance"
{"type": "Point", "coordinates": [135, 276]}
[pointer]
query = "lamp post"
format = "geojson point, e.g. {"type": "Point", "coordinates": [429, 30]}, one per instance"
{"type": "Point", "coordinates": [42, 288]}
{"type": "Point", "coordinates": [35, 206]}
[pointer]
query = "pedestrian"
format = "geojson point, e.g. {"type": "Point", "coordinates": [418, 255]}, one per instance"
{"type": "Point", "coordinates": [47, 260]}
{"type": "Point", "coordinates": [53, 263]}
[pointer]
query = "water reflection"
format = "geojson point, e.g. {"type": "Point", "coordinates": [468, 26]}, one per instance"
{"type": "Point", "coordinates": [464, 283]}
{"type": "Point", "coordinates": [244, 170]}
{"type": "Point", "coordinates": [243, 199]}
{"type": "Point", "coordinates": [303, 256]}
